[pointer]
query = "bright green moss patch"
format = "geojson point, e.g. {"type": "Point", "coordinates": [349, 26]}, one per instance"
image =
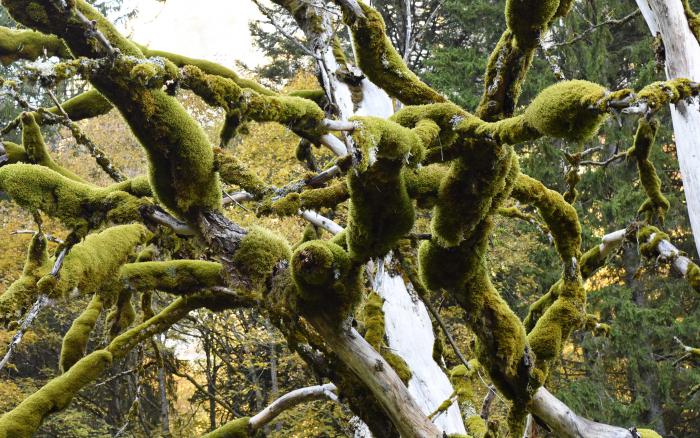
{"type": "Point", "coordinates": [15, 153]}
{"type": "Point", "coordinates": [556, 325]}
{"type": "Point", "coordinates": [383, 65]}
{"type": "Point", "coordinates": [84, 106]}
{"type": "Point", "coordinates": [174, 276]}
{"type": "Point", "coordinates": [476, 426]}
{"type": "Point", "coordinates": [137, 186]}
{"type": "Point", "coordinates": [94, 261]}
{"type": "Point", "coordinates": [75, 204]}
{"type": "Point", "coordinates": [693, 276]}
{"type": "Point", "coordinates": [303, 116]}
{"type": "Point", "coordinates": [233, 429]}
{"type": "Point", "coordinates": [648, 433]}
{"type": "Point", "coordinates": [648, 246]}
{"type": "Point", "coordinates": [475, 186]}
{"type": "Point", "coordinates": [25, 419]}
{"type": "Point", "coordinates": [232, 171]}
{"type": "Point", "coordinates": [373, 319]}
{"type": "Point", "coordinates": [658, 94]}
{"type": "Point", "coordinates": [37, 153]}
{"type": "Point", "coordinates": [559, 215]}
{"type": "Point", "coordinates": [76, 338]}
{"type": "Point", "coordinates": [528, 20]}
{"type": "Point", "coordinates": [20, 295]}
{"type": "Point", "coordinates": [259, 251]}
{"type": "Point", "coordinates": [656, 205]}
{"type": "Point", "coordinates": [18, 44]}
{"type": "Point", "coordinates": [380, 209]}
{"type": "Point", "coordinates": [326, 279]}
{"type": "Point", "coordinates": [567, 110]}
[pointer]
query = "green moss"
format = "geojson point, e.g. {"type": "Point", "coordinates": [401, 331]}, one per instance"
{"type": "Point", "coordinates": [648, 433]}
{"type": "Point", "coordinates": [462, 206]}
{"type": "Point", "coordinates": [476, 426]}
{"type": "Point", "coordinates": [94, 261]}
{"type": "Point", "coordinates": [567, 109]}
{"type": "Point", "coordinates": [383, 65]}
{"type": "Point", "coordinates": [423, 183]}
{"type": "Point", "coordinates": [505, 74]}
{"type": "Point", "coordinates": [647, 245]}
{"type": "Point", "coordinates": [85, 106]}
{"type": "Point", "coordinates": [380, 209]}
{"type": "Point", "coordinates": [398, 364]}
{"type": "Point", "coordinates": [462, 381]}
{"type": "Point", "coordinates": [233, 429]}
{"type": "Point", "coordinates": [37, 153]}
{"type": "Point", "coordinates": [658, 94]}
{"type": "Point", "coordinates": [137, 186]}
{"type": "Point", "coordinates": [303, 116]}
{"type": "Point", "coordinates": [693, 21]}
{"type": "Point", "coordinates": [18, 44]}
{"type": "Point", "coordinates": [15, 153]}
{"type": "Point", "coordinates": [528, 20]}
{"type": "Point", "coordinates": [326, 279]}
{"type": "Point", "coordinates": [258, 254]}
{"type": "Point", "coordinates": [76, 338]}
{"type": "Point", "coordinates": [25, 419]}
{"type": "Point", "coordinates": [557, 323]}
{"type": "Point", "coordinates": [373, 319]}
{"type": "Point", "coordinates": [559, 215]}
{"type": "Point", "coordinates": [693, 276]}
{"type": "Point", "coordinates": [232, 171]}
{"type": "Point", "coordinates": [209, 68]}
{"type": "Point", "coordinates": [656, 205]}
{"type": "Point", "coordinates": [122, 314]}
{"type": "Point", "coordinates": [144, 73]}
{"type": "Point", "coordinates": [591, 261]}
{"type": "Point", "coordinates": [174, 276]}
{"type": "Point", "coordinates": [20, 295]}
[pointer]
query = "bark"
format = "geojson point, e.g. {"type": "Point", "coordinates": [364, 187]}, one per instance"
{"type": "Point", "coordinates": [290, 400]}
{"type": "Point", "coordinates": [379, 377]}
{"type": "Point", "coordinates": [667, 18]}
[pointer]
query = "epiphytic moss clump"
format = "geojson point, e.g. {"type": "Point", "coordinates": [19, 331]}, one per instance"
{"type": "Point", "coordinates": [656, 205]}
{"type": "Point", "coordinates": [22, 292]}
{"type": "Point", "coordinates": [37, 153]}
{"type": "Point", "coordinates": [77, 205]}
{"type": "Point", "coordinates": [476, 426]}
{"type": "Point", "coordinates": [233, 429]}
{"type": "Point", "coordinates": [556, 324]}
{"type": "Point", "coordinates": [529, 19]}
{"type": "Point", "coordinates": [559, 215]}
{"type": "Point", "coordinates": [648, 245]}
{"type": "Point", "coordinates": [84, 106]}
{"type": "Point", "coordinates": [232, 171]}
{"type": "Point", "coordinates": [18, 44]}
{"type": "Point", "coordinates": [693, 276]}
{"type": "Point", "coordinates": [380, 209]}
{"type": "Point", "coordinates": [380, 61]}
{"type": "Point", "coordinates": [174, 276]}
{"type": "Point", "coordinates": [327, 281]}
{"type": "Point", "coordinates": [76, 338]}
{"type": "Point", "coordinates": [25, 419]}
{"type": "Point", "coordinates": [373, 319]}
{"type": "Point", "coordinates": [97, 259]}
{"type": "Point", "coordinates": [567, 110]}
{"type": "Point", "coordinates": [258, 253]}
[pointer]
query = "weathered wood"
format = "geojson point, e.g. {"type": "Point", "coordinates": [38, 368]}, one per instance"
{"type": "Point", "coordinates": [667, 18]}
{"type": "Point", "coordinates": [371, 368]}
{"type": "Point", "coordinates": [565, 423]}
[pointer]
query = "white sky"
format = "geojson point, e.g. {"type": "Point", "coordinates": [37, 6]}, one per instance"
{"type": "Point", "coordinates": [216, 30]}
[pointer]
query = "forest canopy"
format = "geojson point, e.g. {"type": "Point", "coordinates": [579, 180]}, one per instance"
{"type": "Point", "coordinates": [434, 218]}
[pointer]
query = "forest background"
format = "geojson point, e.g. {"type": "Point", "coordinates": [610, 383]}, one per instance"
{"type": "Point", "coordinates": [216, 367]}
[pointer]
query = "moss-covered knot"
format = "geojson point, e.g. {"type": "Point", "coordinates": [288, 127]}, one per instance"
{"type": "Point", "coordinates": [258, 254]}
{"type": "Point", "coordinates": [528, 19]}
{"type": "Point", "coordinates": [568, 110]}
{"type": "Point", "coordinates": [326, 279]}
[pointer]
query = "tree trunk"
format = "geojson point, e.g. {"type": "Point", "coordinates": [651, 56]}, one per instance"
{"type": "Point", "coordinates": [667, 18]}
